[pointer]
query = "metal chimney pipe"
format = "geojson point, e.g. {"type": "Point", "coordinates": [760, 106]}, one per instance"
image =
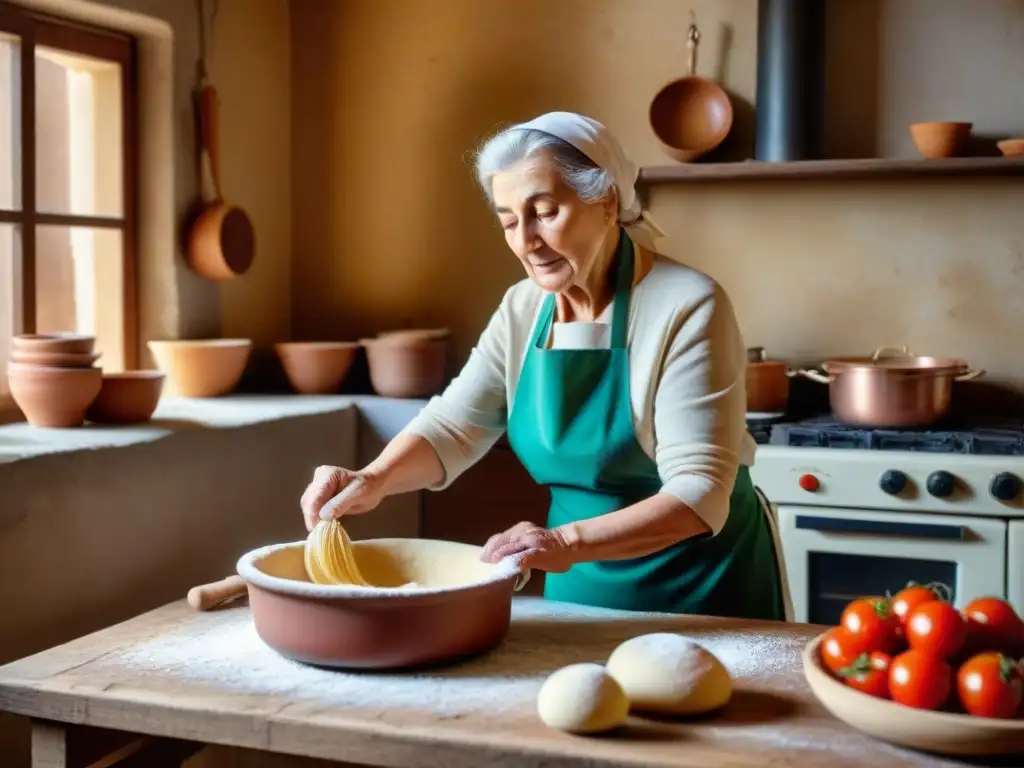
{"type": "Point", "coordinates": [790, 80]}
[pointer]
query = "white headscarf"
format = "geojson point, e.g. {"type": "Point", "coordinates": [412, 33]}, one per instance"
{"type": "Point", "coordinates": [599, 144]}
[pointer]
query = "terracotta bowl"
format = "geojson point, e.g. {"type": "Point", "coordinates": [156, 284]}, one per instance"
{"type": "Point", "coordinates": [126, 398]}
{"type": "Point", "coordinates": [935, 140]}
{"type": "Point", "coordinates": [940, 732]}
{"type": "Point", "coordinates": [690, 117]}
{"type": "Point", "coordinates": [53, 397]}
{"type": "Point", "coordinates": [60, 342]}
{"type": "Point", "coordinates": [201, 367]}
{"type": "Point", "coordinates": [1011, 147]}
{"type": "Point", "coordinates": [56, 359]}
{"type": "Point", "coordinates": [462, 606]}
{"type": "Point", "coordinates": [406, 366]}
{"type": "Point", "coordinates": [317, 367]}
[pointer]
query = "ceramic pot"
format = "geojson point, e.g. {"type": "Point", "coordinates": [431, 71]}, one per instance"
{"type": "Point", "coordinates": [201, 367]}
{"type": "Point", "coordinates": [941, 139]}
{"type": "Point", "coordinates": [767, 383]}
{"type": "Point", "coordinates": [53, 397]}
{"type": "Point", "coordinates": [56, 359]}
{"type": "Point", "coordinates": [126, 398]}
{"type": "Point", "coordinates": [317, 367]}
{"type": "Point", "coordinates": [406, 365]}
{"type": "Point", "coordinates": [60, 342]}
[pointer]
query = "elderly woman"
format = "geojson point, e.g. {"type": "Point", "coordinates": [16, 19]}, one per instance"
{"type": "Point", "coordinates": [618, 375]}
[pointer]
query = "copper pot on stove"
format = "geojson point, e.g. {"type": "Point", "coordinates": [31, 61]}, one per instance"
{"type": "Point", "coordinates": [892, 387]}
{"type": "Point", "coordinates": [767, 383]}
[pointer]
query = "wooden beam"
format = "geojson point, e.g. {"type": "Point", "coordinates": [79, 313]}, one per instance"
{"type": "Point", "coordinates": [56, 745]}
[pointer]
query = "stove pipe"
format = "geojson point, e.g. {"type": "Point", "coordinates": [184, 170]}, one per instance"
{"type": "Point", "coordinates": [790, 80]}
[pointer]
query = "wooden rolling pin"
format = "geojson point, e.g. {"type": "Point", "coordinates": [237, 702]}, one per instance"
{"type": "Point", "coordinates": [205, 597]}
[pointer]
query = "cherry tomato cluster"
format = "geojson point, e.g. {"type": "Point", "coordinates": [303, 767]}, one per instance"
{"type": "Point", "coordinates": [916, 649]}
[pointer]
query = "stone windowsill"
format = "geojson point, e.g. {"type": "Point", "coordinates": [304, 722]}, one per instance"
{"type": "Point", "coordinates": [384, 416]}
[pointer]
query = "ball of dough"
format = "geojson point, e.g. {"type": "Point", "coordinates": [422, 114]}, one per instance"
{"type": "Point", "coordinates": [582, 698]}
{"type": "Point", "coordinates": [670, 674]}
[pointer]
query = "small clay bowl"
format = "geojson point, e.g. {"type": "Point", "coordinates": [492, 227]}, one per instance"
{"type": "Point", "coordinates": [64, 342]}
{"type": "Point", "coordinates": [461, 606]}
{"type": "Point", "coordinates": [405, 365]}
{"type": "Point", "coordinates": [317, 367]}
{"type": "Point", "coordinates": [690, 117]}
{"type": "Point", "coordinates": [941, 139]}
{"type": "Point", "coordinates": [53, 397]}
{"type": "Point", "coordinates": [1011, 147]}
{"type": "Point", "coordinates": [56, 359]}
{"type": "Point", "coordinates": [126, 398]}
{"type": "Point", "coordinates": [201, 367]}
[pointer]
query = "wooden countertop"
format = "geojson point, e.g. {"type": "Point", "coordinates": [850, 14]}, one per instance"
{"type": "Point", "coordinates": [207, 677]}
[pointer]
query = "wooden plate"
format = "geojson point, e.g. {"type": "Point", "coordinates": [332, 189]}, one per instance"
{"type": "Point", "coordinates": [942, 732]}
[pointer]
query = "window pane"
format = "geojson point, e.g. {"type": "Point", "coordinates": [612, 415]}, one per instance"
{"type": "Point", "coordinates": [7, 253]}
{"type": "Point", "coordinates": [9, 54]}
{"type": "Point", "coordinates": [78, 134]}
{"type": "Point", "coordinates": [80, 287]}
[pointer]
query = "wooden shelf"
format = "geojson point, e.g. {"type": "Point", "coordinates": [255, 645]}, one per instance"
{"type": "Point", "coordinates": [692, 173]}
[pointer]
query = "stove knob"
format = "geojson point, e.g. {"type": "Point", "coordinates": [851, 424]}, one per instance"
{"type": "Point", "coordinates": [940, 484]}
{"type": "Point", "coordinates": [1005, 486]}
{"type": "Point", "coordinates": [809, 483]}
{"type": "Point", "coordinates": [893, 481]}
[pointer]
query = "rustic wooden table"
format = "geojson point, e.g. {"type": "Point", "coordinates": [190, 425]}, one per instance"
{"type": "Point", "coordinates": [153, 689]}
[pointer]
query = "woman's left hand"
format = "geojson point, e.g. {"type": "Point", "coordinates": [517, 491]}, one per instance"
{"type": "Point", "coordinates": [536, 547]}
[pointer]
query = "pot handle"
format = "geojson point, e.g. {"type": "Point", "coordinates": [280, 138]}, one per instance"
{"type": "Point", "coordinates": [821, 378]}
{"type": "Point", "coordinates": [969, 375]}
{"type": "Point", "coordinates": [887, 352]}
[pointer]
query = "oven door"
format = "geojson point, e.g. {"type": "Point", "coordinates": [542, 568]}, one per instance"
{"type": "Point", "coordinates": [1015, 566]}
{"type": "Point", "coordinates": [833, 556]}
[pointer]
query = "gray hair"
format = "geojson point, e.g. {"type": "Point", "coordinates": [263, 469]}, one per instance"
{"type": "Point", "coordinates": [512, 145]}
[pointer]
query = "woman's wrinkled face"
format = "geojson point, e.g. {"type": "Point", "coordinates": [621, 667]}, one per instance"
{"type": "Point", "coordinates": [556, 236]}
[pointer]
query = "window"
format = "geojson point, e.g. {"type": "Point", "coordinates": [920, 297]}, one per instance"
{"type": "Point", "coordinates": [67, 191]}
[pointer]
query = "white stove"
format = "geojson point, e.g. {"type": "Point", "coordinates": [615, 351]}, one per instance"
{"type": "Point", "coordinates": [865, 512]}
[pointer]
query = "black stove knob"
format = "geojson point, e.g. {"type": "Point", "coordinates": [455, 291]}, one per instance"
{"type": "Point", "coordinates": [893, 481]}
{"type": "Point", "coordinates": [1005, 486]}
{"type": "Point", "coordinates": [940, 484]}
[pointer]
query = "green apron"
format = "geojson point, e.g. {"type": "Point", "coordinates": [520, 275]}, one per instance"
{"type": "Point", "coordinates": [571, 426]}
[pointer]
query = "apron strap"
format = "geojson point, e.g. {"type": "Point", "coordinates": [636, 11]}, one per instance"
{"type": "Point", "coordinates": [623, 286]}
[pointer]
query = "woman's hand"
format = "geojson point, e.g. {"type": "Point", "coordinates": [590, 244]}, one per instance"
{"type": "Point", "coordinates": [536, 547]}
{"type": "Point", "coordinates": [334, 492]}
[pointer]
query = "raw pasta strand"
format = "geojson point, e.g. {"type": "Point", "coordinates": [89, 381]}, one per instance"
{"type": "Point", "coordinates": [329, 557]}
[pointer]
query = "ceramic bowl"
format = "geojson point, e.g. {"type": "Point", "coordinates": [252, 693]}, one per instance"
{"type": "Point", "coordinates": [445, 618]}
{"type": "Point", "coordinates": [941, 732]}
{"type": "Point", "coordinates": [56, 359]}
{"type": "Point", "coordinates": [1011, 147]}
{"type": "Point", "coordinates": [407, 364]}
{"type": "Point", "coordinates": [63, 342]}
{"type": "Point", "coordinates": [201, 367]}
{"type": "Point", "coordinates": [53, 397]}
{"type": "Point", "coordinates": [126, 398]}
{"type": "Point", "coordinates": [941, 139]}
{"type": "Point", "coordinates": [317, 367]}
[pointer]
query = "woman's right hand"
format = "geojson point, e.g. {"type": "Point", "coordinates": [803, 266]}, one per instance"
{"type": "Point", "coordinates": [334, 492]}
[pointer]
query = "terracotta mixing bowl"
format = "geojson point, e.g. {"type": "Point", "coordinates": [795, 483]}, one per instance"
{"type": "Point", "coordinates": [317, 367]}
{"type": "Point", "coordinates": [461, 606]}
{"type": "Point", "coordinates": [942, 732]}
{"type": "Point", "coordinates": [201, 367]}
{"type": "Point", "coordinates": [126, 398]}
{"type": "Point", "coordinates": [406, 364]}
{"type": "Point", "coordinates": [1011, 147]}
{"type": "Point", "coordinates": [56, 359]}
{"type": "Point", "coordinates": [941, 139]}
{"type": "Point", "coordinates": [64, 342]}
{"type": "Point", "coordinates": [53, 397]}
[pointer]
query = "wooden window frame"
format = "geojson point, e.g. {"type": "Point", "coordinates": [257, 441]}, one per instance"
{"type": "Point", "coordinates": [35, 29]}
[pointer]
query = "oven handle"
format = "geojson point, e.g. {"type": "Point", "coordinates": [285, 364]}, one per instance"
{"type": "Point", "coordinates": [880, 528]}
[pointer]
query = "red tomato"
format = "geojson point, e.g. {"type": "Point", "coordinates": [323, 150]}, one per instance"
{"type": "Point", "coordinates": [906, 600]}
{"type": "Point", "coordinates": [993, 625]}
{"type": "Point", "coordinates": [990, 685]}
{"type": "Point", "coordinates": [920, 679]}
{"type": "Point", "coordinates": [872, 622]}
{"type": "Point", "coordinates": [840, 649]}
{"type": "Point", "coordinates": [869, 674]}
{"type": "Point", "coordinates": [936, 627]}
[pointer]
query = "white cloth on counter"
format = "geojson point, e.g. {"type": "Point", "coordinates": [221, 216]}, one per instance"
{"type": "Point", "coordinates": [687, 383]}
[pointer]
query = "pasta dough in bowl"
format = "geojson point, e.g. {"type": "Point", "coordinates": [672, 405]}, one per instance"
{"type": "Point", "coordinates": [411, 602]}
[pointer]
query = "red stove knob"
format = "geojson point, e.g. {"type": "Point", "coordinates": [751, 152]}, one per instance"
{"type": "Point", "coordinates": [809, 483]}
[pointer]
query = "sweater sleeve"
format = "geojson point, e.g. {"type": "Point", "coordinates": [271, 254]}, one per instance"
{"type": "Point", "coordinates": [700, 408]}
{"type": "Point", "coordinates": [465, 421]}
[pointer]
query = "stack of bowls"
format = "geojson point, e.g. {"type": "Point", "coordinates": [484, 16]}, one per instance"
{"type": "Point", "coordinates": [53, 378]}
